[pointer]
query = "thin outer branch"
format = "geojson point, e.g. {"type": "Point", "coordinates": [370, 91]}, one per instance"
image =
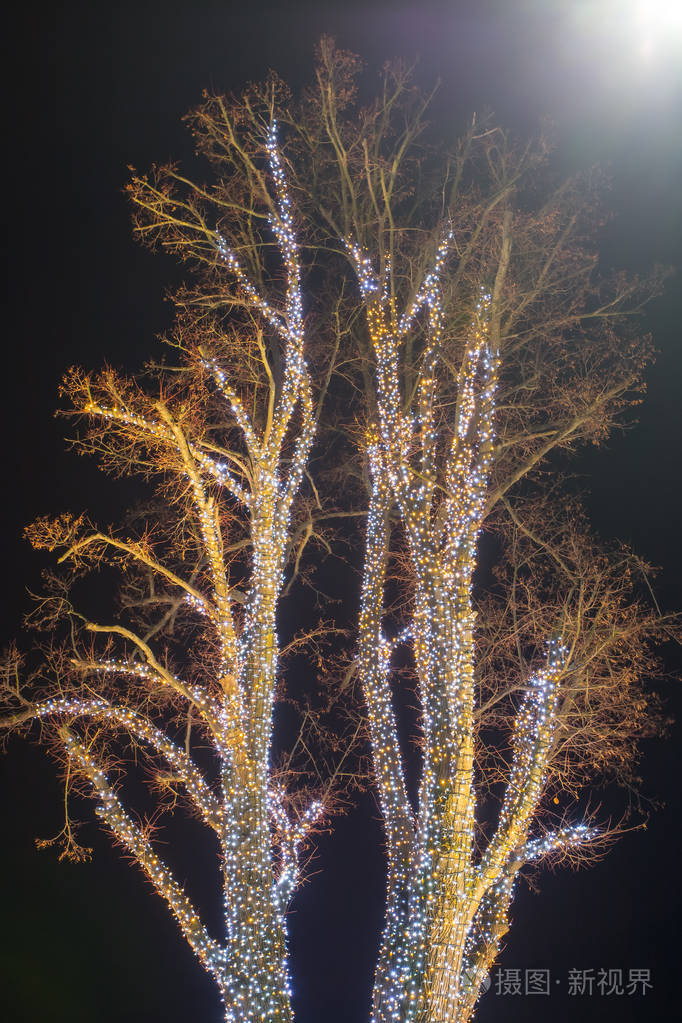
{"type": "Point", "coordinates": [163, 674]}
{"type": "Point", "coordinates": [137, 552]}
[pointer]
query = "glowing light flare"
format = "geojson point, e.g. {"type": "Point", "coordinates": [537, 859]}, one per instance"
{"type": "Point", "coordinates": [657, 20]}
{"type": "Point", "coordinates": [651, 29]}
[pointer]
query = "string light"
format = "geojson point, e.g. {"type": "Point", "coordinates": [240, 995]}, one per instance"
{"type": "Point", "coordinates": [445, 911]}
{"type": "Point", "coordinates": [259, 840]}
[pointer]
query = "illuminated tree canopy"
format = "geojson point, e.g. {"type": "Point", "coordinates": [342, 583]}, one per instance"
{"type": "Point", "coordinates": [408, 339]}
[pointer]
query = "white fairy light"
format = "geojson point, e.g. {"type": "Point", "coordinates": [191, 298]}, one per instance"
{"type": "Point", "coordinates": [439, 900]}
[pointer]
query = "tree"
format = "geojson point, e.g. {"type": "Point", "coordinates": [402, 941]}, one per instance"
{"type": "Point", "coordinates": [462, 342]}
{"type": "Point", "coordinates": [490, 344]}
{"type": "Point", "coordinates": [184, 680]}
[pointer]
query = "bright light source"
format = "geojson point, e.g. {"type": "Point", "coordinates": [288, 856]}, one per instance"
{"type": "Point", "coordinates": [659, 14]}
{"type": "Point", "coordinates": [657, 22]}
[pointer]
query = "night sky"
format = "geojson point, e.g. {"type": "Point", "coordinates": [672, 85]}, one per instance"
{"type": "Point", "coordinates": [97, 88]}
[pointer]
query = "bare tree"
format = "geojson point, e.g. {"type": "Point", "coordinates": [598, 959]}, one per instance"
{"type": "Point", "coordinates": [184, 679]}
{"type": "Point", "coordinates": [463, 342]}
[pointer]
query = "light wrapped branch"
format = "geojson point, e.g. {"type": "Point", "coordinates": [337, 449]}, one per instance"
{"type": "Point", "coordinates": [132, 838]}
{"type": "Point", "coordinates": [141, 426]}
{"type": "Point", "coordinates": [153, 670]}
{"type": "Point", "coordinates": [534, 732]}
{"type": "Point", "coordinates": [290, 836]}
{"type": "Point", "coordinates": [137, 726]}
{"type": "Point", "coordinates": [562, 840]}
{"type": "Point", "coordinates": [491, 920]}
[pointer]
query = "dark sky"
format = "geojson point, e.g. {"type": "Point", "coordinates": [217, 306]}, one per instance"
{"type": "Point", "coordinates": [97, 88]}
